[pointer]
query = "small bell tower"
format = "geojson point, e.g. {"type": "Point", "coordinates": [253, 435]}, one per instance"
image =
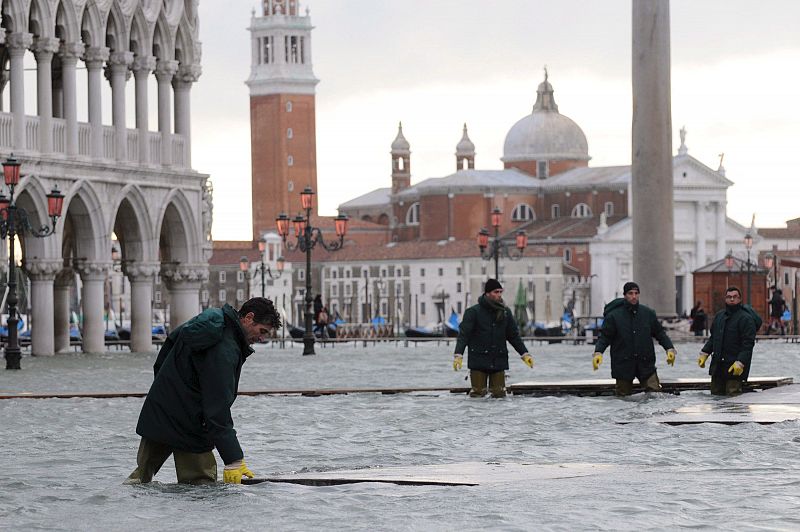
{"type": "Point", "coordinates": [401, 162]}
{"type": "Point", "coordinates": [465, 153]}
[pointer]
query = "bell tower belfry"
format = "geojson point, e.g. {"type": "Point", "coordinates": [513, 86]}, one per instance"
{"type": "Point", "coordinates": [282, 112]}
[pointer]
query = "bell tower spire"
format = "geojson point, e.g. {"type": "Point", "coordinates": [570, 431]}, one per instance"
{"type": "Point", "coordinates": [282, 111]}
{"type": "Point", "coordinates": [401, 162]}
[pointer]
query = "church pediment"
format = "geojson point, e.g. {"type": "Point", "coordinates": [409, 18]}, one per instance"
{"type": "Point", "coordinates": [688, 172]}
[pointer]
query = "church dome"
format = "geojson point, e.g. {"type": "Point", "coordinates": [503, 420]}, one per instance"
{"type": "Point", "coordinates": [465, 145]}
{"type": "Point", "coordinates": [545, 134]}
{"type": "Point", "coordinates": [400, 144]}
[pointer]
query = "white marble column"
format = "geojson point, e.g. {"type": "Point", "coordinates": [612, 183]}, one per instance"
{"type": "Point", "coordinates": [94, 59]}
{"type": "Point", "coordinates": [70, 52]}
{"type": "Point", "coordinates": [140, 276]}
{"type": "Point", "coordinates": [43, 50]}
{"type": "Point", "coordinates": [700, 234]}
{"type": "Point", "coordinates": [117, 72]}
{"type": "Point", "coordinates": [182, 88]}
{"type": "Point", "coordinates": [17, 44]}
{"type": "Point", "coordinates": [651, 164]}
{"type": "Point", "coordinates": [142, 67]}
{"type": "Point", "coordinates": [164, 73]}
{"type": "Point", "coordinates": [183, 282]}
{"type": "Point", "coordinates": [93, 277]}
{"type": "Point", "coordinates": [721, 233]}
{"type": "Point", "coordinates": [42, 273]}
{"type": "Point", "coordinates": [61, 317]}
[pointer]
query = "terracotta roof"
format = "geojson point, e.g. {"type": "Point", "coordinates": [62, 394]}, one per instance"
{"type": "Point", "coordinates": [229, 252]}
{"type": "Point", "coordinates": [566, 228]}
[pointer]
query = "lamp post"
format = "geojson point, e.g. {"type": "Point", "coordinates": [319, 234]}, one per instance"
{"type": "Point", "coordinates": [748, 243]}
{"type": "Point", "coordinates": [771, 263]}
{"type": "Point", "coordinates": [15, 221]}
{"type": "Point", "coordinates": [497, 247]}
{"type": "Point", "coordinates": [307, 238]}
{"type": "Point", "coordinates": [262, 267]}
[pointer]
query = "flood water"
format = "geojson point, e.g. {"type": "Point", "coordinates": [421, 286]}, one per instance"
{"type": "Point", "coordinates": [63, 460]}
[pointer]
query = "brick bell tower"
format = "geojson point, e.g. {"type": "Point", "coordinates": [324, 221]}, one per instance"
{"type": "Point", "coordinates": [282, 112]}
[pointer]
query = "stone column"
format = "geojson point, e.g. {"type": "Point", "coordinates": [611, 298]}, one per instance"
{"type": "Point", "coordinates": [117, 72]}
{"type": "Point", "coordinates": [722, 242]}
{"type": "Point", "coordinates": [44, 49]}
{"type": "Point", "coordinates": [140, 276]}
{"type": "Point", "coordinates": [94, 59]}
{"type": "Point", "coordinates": [142, 67]}
{"type": "Point", "coordinates": [61, 292]}
{"type": "Point", "coordinates": [700, 233]}
{"type": "Point", "coordinates": [651, 169]}
{"type": "Point", "coordinates": [183, 282]}
{"type": "Point", "coordinates": [93, 276]}
{"type": "Point", "coordinates": [182, 87]}
{"type": "Point", "coordinates": [164, 74]}
{"type": "Point", "coordinates": [42, 273]}
{"type": "Point", "coordinates": [70, 52]}
{"type": "Point", "coordinates": [17, 44]}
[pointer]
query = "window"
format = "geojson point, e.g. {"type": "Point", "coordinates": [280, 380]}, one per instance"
{"type": "Point", "coordinates": [422, 288]}
{"type": "Point", "coordinates": [301, 274]}
{"type": "Point", "coordinates": [483, 270]}
{"type": "Point", "coordinates": [335, 290]}
{"type": "Point", "coordinates": [239, 295]}
{"type": "Point", "coordinates": [422, 272]}
{"type": "Point", "coordinates": [567, 255]}
{"type": "Point", "coordinates": [441, 272]}
{"type": "Point", "coordinates": [581, 210]}
{"type": "Point", "coordinates": [267, 53]}
{"type": "Point", "coordinates": [290, 161]}
{"type": "Point", "coordinates": [541, 169]}
{"type": "Point", "coordinates": [348, 290]}
{"type": "Point", "coordinates": [412, 215]}
{"type": "Point", "coordinates": [458, 270]}
{"type": "Point", "coordinates": [458, 307]}
{"type": "Point", "coordinates": [458, 288]}
{"type": "Point", "coordinates": [203, 296]}
{"type": "Point", "coordinates": [555, 211]}
{"type": "Point", "coordinates": [609, 208]}
{"type": "Point", "coordinates": [158, 297]}
{"type": "Point", "coordinates": [288, 107]}
{"type": "Point", "coordinates": [547, 286]}
{"type": "Point", "coordinates": [289, 133]}
{"type": "Point", "coordinates": [334, 273]}
{"type": "Point", "coordinates": [222, 276]}
{"type": "Point", "coordinates": [522, 213]}
{"type": "Point", "coordinates": [240, 276]}
{"type": "Point", "coordinates": [158, 278]}
{"type": "Point", "coordinates": [422, 308]}
{"type": "Point", "coordinates": [547, 270]}
{"type": "Point", "coordinates": [223, 296]}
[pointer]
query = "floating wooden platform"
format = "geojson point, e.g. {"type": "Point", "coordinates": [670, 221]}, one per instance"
{"type": "Point", "coordinates": [459, 474]}
{"type": "Point", "coordinates": [578, 387]}
{"type": "Point", "coordinates": [770, 406]}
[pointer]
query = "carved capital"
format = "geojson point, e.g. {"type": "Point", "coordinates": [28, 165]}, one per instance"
{"type": "Point", "coordinates": [187, 74]}
{"type": "Point", "coordinates": [165, 70]}
{"type": "Point", "coordinates": [176, 274]}
{"type": "Point", "coordinates": [65, 277]}
{"type": "Point", "coordinates": [44, 48]}
{"type": "Point", "coordinates": [141, 271]}
{"type": "Point", "coordinates": [43, 270]}
{"type": "Point", "coordinates": [120, 59]}
{"type": "Point", "coordinates": [70, 52]}
{"type": "Point", "coordinates": [93, 271]}
{"type": "Point", "coordinates": [18, 42]}
{"type": "Point", "coordinates": [95, 56]}
{"type": "Point", "coordinates": [143, 65]}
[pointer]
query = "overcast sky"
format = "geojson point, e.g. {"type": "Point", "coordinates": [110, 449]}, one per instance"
{"type": "Point", "coordinates": [435, 65]}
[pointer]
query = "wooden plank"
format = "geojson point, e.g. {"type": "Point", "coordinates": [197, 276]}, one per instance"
{"type": "Point", "coordinates": [458, 474]}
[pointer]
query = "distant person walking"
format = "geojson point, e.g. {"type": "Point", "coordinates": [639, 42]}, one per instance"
{"type": "Point", "coordinates": [733, 335]}
{"type": "Point", "coordinates": [629, 328]}
{"type": "Point", "coordinates": [187, 412]}
{"type": "Point", "coordinates": [699, 319]}
{"type": "Point", "coordinates": [485, 329]}
{"type": "Point", "coordinates": [777, 306]}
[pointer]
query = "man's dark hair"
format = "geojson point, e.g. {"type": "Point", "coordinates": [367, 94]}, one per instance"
{"type": "Point", "coordinates": [733, 289]}
{"type": "Point", "coordinates": [263, 311]}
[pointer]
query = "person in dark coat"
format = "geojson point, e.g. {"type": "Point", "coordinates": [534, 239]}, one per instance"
{"type": "Point", "coordinates": [699, 319]}
{"type": "Point", "coordinates": [629, 328]}
{"type": "Point", "coordinates": [187, 412]}
{"type": "Point", "coordinates": [733, 335]}
{"type": "Point", "coordinates": [777, 306]}
{"type": "Point", "coordinates": [485, 329]}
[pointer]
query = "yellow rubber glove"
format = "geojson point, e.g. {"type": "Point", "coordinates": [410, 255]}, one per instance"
{"type": "Point", "coordinates": [597, 359]}
{"type": "Point", "coordinates": [701, 360]}
{"type": "Point", "coordinates": [458, 361]}
{"type": "Point", "coordinates": [528, 360]}
{"type": "Point", "coordinates": [671, 356]}
{"type": "Point", "coordinates": [233, 472]}
{"type": "Point", "coordinates": [736, 369]}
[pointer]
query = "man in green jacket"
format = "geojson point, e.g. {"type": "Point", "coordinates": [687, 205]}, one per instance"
{"type": "Point", "coordinates": [629, 328]}
{"type": "Point", "coordinates": [187, 412]}
{"type": "Point", "coordinates": [486, 328]}
{"type": "Point", "coordinates": [733, 334]}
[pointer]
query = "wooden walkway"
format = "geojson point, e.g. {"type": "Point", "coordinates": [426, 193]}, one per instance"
{"type": "Point", "coordinates": [580, 388]}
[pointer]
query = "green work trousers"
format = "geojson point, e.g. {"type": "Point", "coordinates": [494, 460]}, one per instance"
{"type": "Point", "coordinates": [479, 380]}
{"type": "Point", "coordinates": [191, 468]}
{"type": "Point", "coordinates": [725, 385]}
{"type": "Point", "coordinates": [625, 387]}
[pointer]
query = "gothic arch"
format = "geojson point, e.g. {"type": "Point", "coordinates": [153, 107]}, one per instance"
{"type": "Point", "coordinates": [40, 20]}
{"type": "Point", "coordinates": [31, 195]}
{"type": "Point", "coordinates": [133, 227]}
{"type": "Point", "coordinates": [14, 16]}
{"type": "Point", "coordinates": [85, 217]}
{"type": "Point", "coordinates": [139, 35]}
{"type": "Point", "coordinates": [116, 34]}
{"type": "Point", "coordinates": [177, 231]}
{"type": "Point", "coordinates": [92, 26]}
{"type": "Point", "coordinates": [184, 45]}
{"type": "Point", "coordinates": [67, 21]}
{"type": "Point", "coordinates": [163, 46]}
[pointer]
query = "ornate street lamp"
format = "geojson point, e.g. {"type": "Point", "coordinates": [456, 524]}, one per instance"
{"type": "Point", "coordinates": [729, 261]}
{"type": "Point", "coordinates": [771, 263]}
{"type": "Point", "coordinates": [16, 221]}
{"type": "Point", "coordinates": [262, 267]}
{"type": "Point", "coordinates": [307, 237]}
{"type": "Point", "coordinates": [498, 247]}
{"type": "Point", "coordinates": [748, 243]}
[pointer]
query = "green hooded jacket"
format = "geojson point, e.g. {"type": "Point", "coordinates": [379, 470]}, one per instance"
{"type": "Point", "coordinates": [733, 335]}
{"type": "Point", "coordinates": [486, 337]}
{"type": "Point", "coordinates": [196, 380]}
{"type": "Point", "coordinates": [629, 330]}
